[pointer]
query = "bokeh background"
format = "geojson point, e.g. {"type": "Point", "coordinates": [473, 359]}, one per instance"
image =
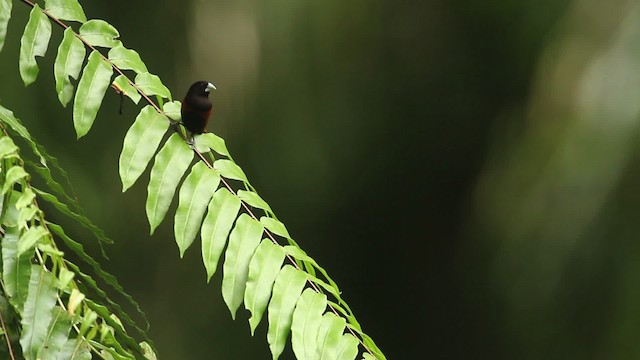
{"type": "Point", "coordinates": [466, 170]}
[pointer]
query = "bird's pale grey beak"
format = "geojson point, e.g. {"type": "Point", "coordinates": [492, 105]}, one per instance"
{"type": "Point", "coordinates": [210, 87]}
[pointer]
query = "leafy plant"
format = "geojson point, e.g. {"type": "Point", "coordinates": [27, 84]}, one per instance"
{"type": "Point", "coordinates": [53, 308]}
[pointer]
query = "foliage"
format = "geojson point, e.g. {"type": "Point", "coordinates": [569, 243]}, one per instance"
{"type": "Point", "coordinates": [50, 299]}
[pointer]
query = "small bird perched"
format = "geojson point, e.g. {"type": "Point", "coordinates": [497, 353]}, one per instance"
{"type": "Point", "coordinates": [196, 108]}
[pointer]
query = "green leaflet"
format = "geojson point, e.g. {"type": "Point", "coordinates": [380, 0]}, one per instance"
{"type": "Point", "coordinates": [99, 33]}
{"type": "Point", "coordinates": [10, 211]}
{"type": "Point", "coordinates": [263, 270]}
{"type": "Point", "coordinates": [243, 241]}
{"type": "Point", "coordinates": [30, 238]}
{"type": "Point", "coordinates": [196, 191]}
{"type": "Point", "coordinates": [16, 270]}
{"type": "Point", "coordinates": [13, 175]}
{"type": "Point", "coordinates": [286, 291]}
{"type": "Point", "coordinates": [172, 109]}
{"type": "Point", "coordinates": [25, 199]}
{"type": "Point", "coordinates": [64, 278]}
{"type": "Point", "coordinates": [149, 354]}
{"type": "Point", "coordinates": [230, 170]}
{"type": "Point", "coordinates": [127, 59]}
{"type": "Point", "coordinates": [152, 85]}
{"type": "Point", "coordinates": [347, 347]}
{"type": "Point", "coordinates": [34, 42]}
{"type": "Point", "coordinates": [25, 215]}
{"type": "Point", "coordinates": [57, 335]}
{"type": "Point", "coordinates": [329, 336]}
{"type": "Point", "coordinates": [7, 147]}
{"type": "Point", "coordinates": [75, 349]}
{"type": "Point", "coordinates": [367, 356]}
{"type": "Point", "coordinates": [122, 82]}
{"type": "Point", "coordinates": [252, 198]}
{"type": "Point", "coordinates": [71, 53]}
{"type": "Point", "coordinates": [91, 89]}
{"type": "Point", "coordinates": [306, 323]}
{"type": "Point", "coordinates": [213, 142]}
{"type": "Point", "coordinates": [168, 168]}
{"type": "Point", "coordinates": [5, 15]}
{"type": "Point", "coordinates": [65, 10]}
{"type": "Point", "coordinates": [81, 219]}
{"type": "Point", "coordinates": [274, 225]}
{"type": "Point", "coordinates": [37, 313]}
{"type": "Point", "coordinates": [222, 212]}
{"type": "Point", "coordinates": [140, 143]}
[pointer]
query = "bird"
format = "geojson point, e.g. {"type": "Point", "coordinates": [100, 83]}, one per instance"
{"type": "Point", "coordinates": [196, 108]}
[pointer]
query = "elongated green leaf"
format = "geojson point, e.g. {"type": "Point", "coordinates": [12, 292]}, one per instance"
{"type": "Point", "coordinates": [7, 147]}
{"type": "Point", "coordinates": [263, 270]}
{"type": "Point", "coordinates": [196, 191]}
{"type": "Point", "coordinates": [13, 175]}
{"type": "Point", "coordinates": [274, 226]}
{"type": "Point", "coordinates": [329, 336]}
{"type": "Point", "coordinates": [253, 199]}
{"type": "Point", "coordinates": [347, 347]}
{"type": "Point", "coordinates": [127, 59]}
{"type": "Point", "coordinates": [25, 215]}
{"type": "Point", "coordinates": [9, 210]}
{"type": "Point", "coordinates": [5, 15]}
{"type": "Point", "coordinates": [26, 198]}
{"type": "Point", "coordinates": [367, 356]}
{"type": "Point", "coordinates": [37, 313]}
{"type": "Point", "coordinates": [152, 85]}
{"type": "Point", "coordinates": [91, 89]}
{"type": "Point", "coordinates": [140, 144]}
{"type": "Point", "coordinates": [108, 278]}
{"type": "Point", "coordinates": [71, 53]}
{"type": "Point", "coordinates": [30, 238]}
{"type": "Point", "coordinates": [122, 82]}
{"type": "Point", "coordinates": [83, 220]}
{"type": "Point", "coordinates": [75, 349]}
{"type": "Point", "coordinates": [230, 170]}
{"type": "Point", "coordinates": [65, 10]}
{"type": "Point", "coordinates": [34, 42]}
{"type": "Point", "coordinates": [222, 212]}
{"type": "Point", "coordinates": [57, 335]}
{"type": "Point", "coordinates": [286, 291]}
{"type": "Point", "coordinates": [99, 33]}
{"type": "Point", "coordinates": [168, 168]}
{"type": "Point", "coordinates": [213, 142]}
{"type": "Point", "coordinates": [306, 324]}
{"type": "Point", "coordinates": [243, 241]}
{"type": "Point", "coordinates": [172, 109]}
{"type": "Point", "coordinates": [16, 270]}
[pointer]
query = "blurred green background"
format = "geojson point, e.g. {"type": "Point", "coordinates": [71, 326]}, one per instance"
{"type": "Point", "coordinates": [466, 170]}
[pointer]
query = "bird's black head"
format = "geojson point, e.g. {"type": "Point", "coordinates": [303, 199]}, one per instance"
{"type": "Point", "coordinates": [201, 88]}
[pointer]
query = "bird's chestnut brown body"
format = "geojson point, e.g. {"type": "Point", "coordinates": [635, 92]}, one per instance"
{"type": "Point", "coordinates": [196, 107]}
